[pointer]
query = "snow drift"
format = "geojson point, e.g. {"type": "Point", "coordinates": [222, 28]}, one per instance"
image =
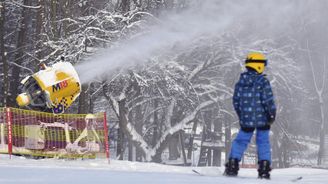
{"type": "Point", "coordinates": [21, 170]}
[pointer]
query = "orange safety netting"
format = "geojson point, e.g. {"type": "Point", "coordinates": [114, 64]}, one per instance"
{"type": "Point", "coordinates": [39, 134]}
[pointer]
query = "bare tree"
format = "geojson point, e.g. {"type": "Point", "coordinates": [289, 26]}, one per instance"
{"type": "Point", "coordinates": [20, 54]}
{"type": "Point", "coordinates": [5, 81]}
{"type": "Point", "coordinates": [319, 89]}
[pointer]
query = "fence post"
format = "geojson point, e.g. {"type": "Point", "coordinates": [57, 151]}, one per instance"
{"type": "Point", "coordinates": [9, 124]}
{"type": "Point", "coordinates": [106, 137]}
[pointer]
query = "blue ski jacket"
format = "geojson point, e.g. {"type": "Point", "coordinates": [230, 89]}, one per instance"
{"type": "Point", "coordinates": [253, 100]}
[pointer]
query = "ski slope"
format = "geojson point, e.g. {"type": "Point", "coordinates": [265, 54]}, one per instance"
{"type": "Point", "coordinates": [20, 170]}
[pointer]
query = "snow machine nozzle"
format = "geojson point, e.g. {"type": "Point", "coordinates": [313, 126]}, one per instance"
{"type": "Point", "coordinates": [53, 88]}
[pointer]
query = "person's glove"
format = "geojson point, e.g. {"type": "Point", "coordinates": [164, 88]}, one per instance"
{"type": "Point", "coordinates": [271, 119]}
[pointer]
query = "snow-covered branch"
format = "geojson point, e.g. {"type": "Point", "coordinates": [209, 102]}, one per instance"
{"type": "Point", "coordinates": [13, 2]}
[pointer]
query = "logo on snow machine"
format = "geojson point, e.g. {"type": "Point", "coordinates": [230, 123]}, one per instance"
{"type": "Point", "coordinates": [59, 86]}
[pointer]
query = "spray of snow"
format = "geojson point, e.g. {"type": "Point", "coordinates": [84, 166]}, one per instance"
{"type": "Point", "coordinates": [204, 17]}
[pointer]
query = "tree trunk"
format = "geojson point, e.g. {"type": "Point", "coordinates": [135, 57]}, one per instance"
{"type": "Point", "coordinates": [156, 124]}
{"type": "Point", "coordinates": [275, 147]}
{"type": "Point", "coordinates": [319, 91]}
{"type": "Point", "coordinates": [323, 131]}
{"type": "Point", "coordinates": [119, 113]}
{"type": "Point", "coordinates": [173, 148]}
{"type": "Point", "coordinates": [83, 101]}
{"type": "Point", "coordinates": [208, 117]}
{"type": "Point", "coordinates": [131, 149]}
{"type": "Point", "coordinates": [191, 140]}
{"type": "Point", "coordinates": [285, 147]}
{"type": "Point", "coordinates": [122, 123]}
{"type": "Point", "coordinates": [158, 156]}
{"type": "Point", "coordinates": [227, 139]}
{"type": "Point", "coordinates": [173, 145]}
{"type": "Point", "coordinates": [64, 5]}
{"type": "Point", "coordinates": [217, 151]}
{"type": "Point", "coordinates": [120, 143]}
{"type": "Point", "coordinates": [3, 54]}
{"type": "Point", "coordinates": [16, 71]}
{"type": "Point", "coordinates": [38, 30]}
{"type": "Point", "coordinates": [183, 151]}
{"type": "Point", "coordinates": [53, 15]}
{"type": "Point", "coordinates": [138, 125]}
{"type": "Point", "coordinates": [130, 153]}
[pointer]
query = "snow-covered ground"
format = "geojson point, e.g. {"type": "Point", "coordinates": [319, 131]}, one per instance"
{"type": "Point", "coordinates": [20, 170]}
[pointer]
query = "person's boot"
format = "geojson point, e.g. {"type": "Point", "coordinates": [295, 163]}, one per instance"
{"type": "Point", "coordinates": [264, 169]}
{"type": "Point", "coordinates": [232, 167]}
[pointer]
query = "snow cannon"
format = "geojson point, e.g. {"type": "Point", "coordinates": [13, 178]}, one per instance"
{"type": "Point", "coordinates": [52, 88]}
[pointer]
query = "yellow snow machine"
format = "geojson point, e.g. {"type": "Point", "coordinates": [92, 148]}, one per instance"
{"type": "Point", "coordinates": [52, 88]}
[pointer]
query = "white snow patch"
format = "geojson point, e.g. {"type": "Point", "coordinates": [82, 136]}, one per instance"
{"type": "Point", "coordinates": [21, 170]}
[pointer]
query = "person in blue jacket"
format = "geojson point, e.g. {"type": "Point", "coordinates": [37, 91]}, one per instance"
{"type": "Point", "coordinates": [254, 104]}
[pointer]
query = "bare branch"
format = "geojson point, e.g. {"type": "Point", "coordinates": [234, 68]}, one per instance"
{"type": "Point", "coordinates": [13, 2]}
